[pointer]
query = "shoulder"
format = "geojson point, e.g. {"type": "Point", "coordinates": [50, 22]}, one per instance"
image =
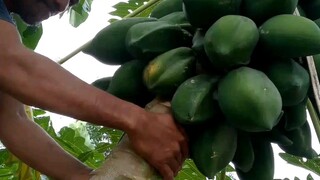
{"type": "Point", "coordinates": [4, 13]}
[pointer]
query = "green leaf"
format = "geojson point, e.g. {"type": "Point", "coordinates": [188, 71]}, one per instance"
{"type": "Point", "coordinates": [77, 143]}
{"type": "Point", "coordinates": [113, 135]}
{"type": "Point", "coordinates": [46, 124]}
{"type": "Point", "coordinates": [189, 171]}
{"type": "Point", "coordinates": [9, 171]}
{"type": "Point", "coordinates": [30, 35]}
{"type": "Point", "coordinates": [309, 177]}
{"type": "Point", "coordinates": [230, 169]}
{"type": "Point", "coordinates": [80, 12]}
{"type": "Point", "coordinates": [4, 155]}
{"type": "Point", "coordinates": [309, 164]}
{"type": "Point", "coordinates": [219, 177]}
{"type": "Point", "coordinates": [124, 8]}
{"type": "Point", "coordinates": [38, 112]}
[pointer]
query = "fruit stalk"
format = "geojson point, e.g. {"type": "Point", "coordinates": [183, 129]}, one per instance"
{"type": "Point", "coordinates": [133, 14]}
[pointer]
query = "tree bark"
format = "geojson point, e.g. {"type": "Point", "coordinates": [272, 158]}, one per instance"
{"type": "Point", "coordinates": [123, 163]}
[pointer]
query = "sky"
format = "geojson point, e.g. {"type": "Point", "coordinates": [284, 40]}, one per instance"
{"type": "Point", "coordinates": [60, 38]}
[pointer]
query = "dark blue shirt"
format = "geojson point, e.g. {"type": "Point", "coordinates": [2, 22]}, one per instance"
{"type": "Point", "coordinates": [4, 13]}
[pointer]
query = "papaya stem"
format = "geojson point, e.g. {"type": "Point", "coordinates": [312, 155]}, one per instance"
{"type": "Point", "coordinates": [314, 80]}
{"type": "Point", "coordinates": [73, 53]}
{"type": "Point", "coordinates": [314, 118]}
{"type": "Point", "coordinates": [133, 14]}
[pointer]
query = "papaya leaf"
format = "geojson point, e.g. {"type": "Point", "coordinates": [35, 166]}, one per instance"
{"type": "Point", "coordinates": [189, 171]}
{"type": "Point", "coordinates": [9, 171]}
{"type": "Point", "coordinates": [80, 12]}
{"type": "Point", "coordinates": [309, 177]}
{"type": "Point", "coordinates": [38, 112]}
{"type": "Point", "coordinates": [46, 124]}
{"type": "Point", "coordinates": [30, 35]}
{"type": "Point", "coordinates": [296, 178]}
{"type": "Point", "coordinates": [4, 156]}
{"type": "Point", "coordinates": [124, 8]}
{"type": "Point", "coordinates": [219, 177]}
{"type": "Point", "coordinates": [312, 165]}
{"type": "Point", "coordinates": [103, 147]}
{"type": "Point", "coordinates": [230, 169]}
{"type": "Point", "coordinates": [104, 139]}
{"type": "Point", "coordinates": [114, 135]}
{"type": "Point", "coordinates": [71, 141]}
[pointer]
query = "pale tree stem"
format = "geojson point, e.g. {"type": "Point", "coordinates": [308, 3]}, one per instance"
{"type": "Point", "coordinates": [314, 118]}
{"type": "Point", "coordinates": [73, 53]}
{"type": "Point", "coordinates": [133, 14]}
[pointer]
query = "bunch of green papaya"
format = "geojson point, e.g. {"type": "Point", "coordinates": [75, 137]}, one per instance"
{"type": "Point", "coordinates": [232, 70]}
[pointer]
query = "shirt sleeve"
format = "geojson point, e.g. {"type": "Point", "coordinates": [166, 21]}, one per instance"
{"type": "Point", "coordinates": [4, 13]}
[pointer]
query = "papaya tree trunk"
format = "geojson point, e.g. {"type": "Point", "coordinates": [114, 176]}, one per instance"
{"type": "Point", "coordinates": [123, 163]}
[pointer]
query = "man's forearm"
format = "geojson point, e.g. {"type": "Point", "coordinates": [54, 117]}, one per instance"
{"type": "Point", "coordinates": [32, 145]}
{"type": "Point", "coordinates": [36, 80]}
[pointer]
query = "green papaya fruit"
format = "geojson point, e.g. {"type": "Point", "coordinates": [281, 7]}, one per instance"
{"type": "Point", "coordinates": [108, 46]}
{"type": "Point", "coordinates": [262, 10]}
{"type": "Point", "coordinates": [263, 166]}
{"type": "Point", "coordinates": [291, 79]}
{"type": "Point", "coordinates": [166, 7]}
{"type": "Point", "coordinates": [127, 83]}
{"type": "Point", "coordinates": [289, 36]}
{"type": "Point", "coordinates": [178, 18]}
{"type": "Point", "coordinates": [295, 116]}
{"type": "Point", "coordinates": [244, 156]}
{"type": "Point", "coordinates": [102, 83]}
{"type": "Point", "coordinates": [150, 39]}
{"type": "Point", "coordinates": [302, 142]}
{"type": "Point", "coordinates": [230, 41]}
{"type": "Point", "coordinates": [164, 74]}
{"type": "Point", "coordinates": [193, 103]}
{"type": "Point", "coordinates": [311, 9]}
{"type": "Point", "coordinates": [213, 149]}
{"type": "Point", "coordinates": [203, 13]}
{"type": "Point", "coordinates": [249, 100]}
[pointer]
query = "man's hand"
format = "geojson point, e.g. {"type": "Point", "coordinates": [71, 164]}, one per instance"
{"type": "Point", "coordinates": [161, 142]}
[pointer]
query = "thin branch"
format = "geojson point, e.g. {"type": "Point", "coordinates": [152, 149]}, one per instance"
{"type": "Point", "coordinates": [73, 53]}
{"type": "Point", "coordinates": [314, 118]}
{"type": "Point", "coordinates": [314, 80]}
{"type": "Point", "coordinates": [133, 14]}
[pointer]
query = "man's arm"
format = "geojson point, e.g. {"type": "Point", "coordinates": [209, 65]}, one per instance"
{"type": "Point", "coordinates": [33, 146]}
{"type": "Point", "coordinates": [38, 81]}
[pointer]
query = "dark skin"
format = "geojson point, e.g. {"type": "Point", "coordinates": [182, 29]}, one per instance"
{"type": "Point", "coordinates": [49, 86]}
